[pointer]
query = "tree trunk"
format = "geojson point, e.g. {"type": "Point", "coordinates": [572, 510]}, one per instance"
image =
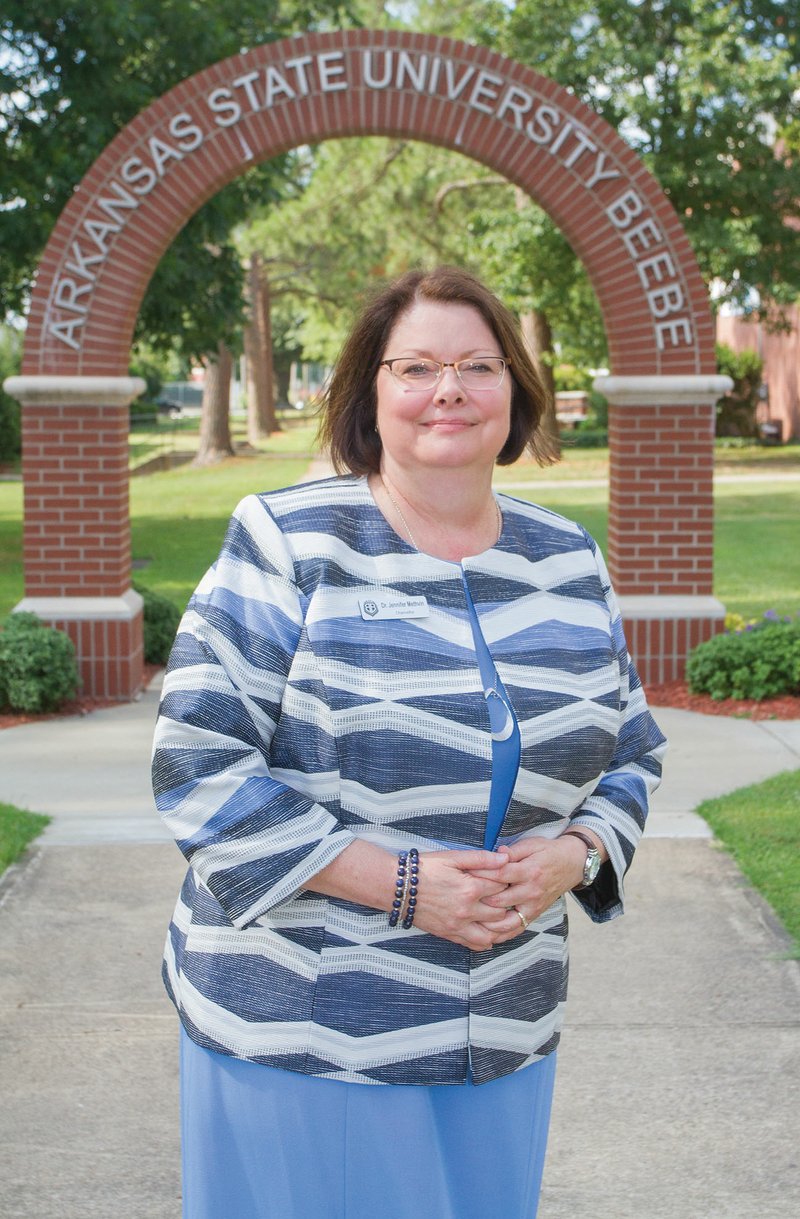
{"type": "Point", "coordinates": [538, 337]}
{"type": "Point", "coordinates": [261, 418]}
{"type": "Point", "coordinates": [215, 427]}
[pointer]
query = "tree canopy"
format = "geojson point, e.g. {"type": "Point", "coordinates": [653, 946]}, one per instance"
{"type": "Point", "coordinates": [705, 91]}
{"type": "Point", "coordinates": [367, 209]}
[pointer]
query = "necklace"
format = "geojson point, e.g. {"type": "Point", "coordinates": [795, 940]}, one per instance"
{"type": "Point", "coordinates": [407, 527]}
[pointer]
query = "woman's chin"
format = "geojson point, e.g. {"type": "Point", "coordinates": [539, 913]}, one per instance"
{"type": "Point", "coordinates": [451, 450]}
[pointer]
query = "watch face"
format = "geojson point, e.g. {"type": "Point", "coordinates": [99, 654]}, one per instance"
{"type": "Point", "coordinates": [592, 867]}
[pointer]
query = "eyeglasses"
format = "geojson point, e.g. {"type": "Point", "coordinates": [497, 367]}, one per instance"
{"type": "Point", "coordinates": [479, 372]}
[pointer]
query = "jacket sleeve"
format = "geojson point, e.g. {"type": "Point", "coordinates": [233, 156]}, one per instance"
{"type": "Point", "coordinates": [617, 808]}
{"type": "Point", "coordinates": [250, 838]}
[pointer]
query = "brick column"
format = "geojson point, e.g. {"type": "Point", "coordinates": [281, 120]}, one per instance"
{"type": "Point", "coordinates": [77, 532]}
{"type": "Point", "coordinates": [661, 515]}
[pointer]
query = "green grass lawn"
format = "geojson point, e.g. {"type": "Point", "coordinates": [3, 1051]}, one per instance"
{"type": "Point", "coordinates": [17, 829]}
{"type": "Point", "coordinates": [757, 458]}
{"type": "Point", "coordinates": [587, 505]}
{"type": "Point", "coordinates": [757, 547]}
{"type": "Point", "coordinates": [760, 826]}
{"type": "Point", "coordinates": [756, 538]}
{"type": "Point", "coordinates": [11, 572]}
{"type": "Point", "coordinates": [574, 463]}
{"type": "Point", "coordinates": [178, 517]}
{"type": "Point", "coordinates": [151, 438]}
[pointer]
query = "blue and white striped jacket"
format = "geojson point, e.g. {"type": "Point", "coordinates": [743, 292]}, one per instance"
{"type": "Point", "coordinates": [295, 720]}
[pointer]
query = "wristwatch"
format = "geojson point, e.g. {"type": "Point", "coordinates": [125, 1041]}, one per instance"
{"type": "Point", "coordinates": [592, 865]}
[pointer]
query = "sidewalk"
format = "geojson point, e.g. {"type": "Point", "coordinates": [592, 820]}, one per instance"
{"type": "Point", "coordinates": [680, 1067]}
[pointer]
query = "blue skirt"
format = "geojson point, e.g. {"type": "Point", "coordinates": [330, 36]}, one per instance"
{"type": "Point", "coordinates": [262, 1143]}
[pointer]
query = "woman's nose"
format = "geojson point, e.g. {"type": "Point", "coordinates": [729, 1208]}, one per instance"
{"type": "Point", "coordinates": [449, 386]}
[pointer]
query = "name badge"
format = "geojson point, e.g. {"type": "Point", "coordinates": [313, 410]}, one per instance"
{"type": "Point", "coordinates": [375, 608]}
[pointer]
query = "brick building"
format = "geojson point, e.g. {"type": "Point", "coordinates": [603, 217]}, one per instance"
{"type": "Point", "coordinates": [781, 355]}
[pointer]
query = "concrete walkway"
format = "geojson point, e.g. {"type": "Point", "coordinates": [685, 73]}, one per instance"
{"type": "Point", "coordinates": [679, 1072]}
{"type": "Point", "coordinates": [745, 476]}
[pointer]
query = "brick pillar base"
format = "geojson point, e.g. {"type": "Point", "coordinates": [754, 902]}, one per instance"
{"type": "Point", "coordinates": [661, 509]}
{"type": "Point", "coordinates": [661, 632]}
{"type": "Point", "coordinates": [107, 633]}
{"type": "Point", "coordinates": [77, 534]}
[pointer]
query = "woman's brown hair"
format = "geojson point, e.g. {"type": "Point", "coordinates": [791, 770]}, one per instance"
{"type": "Point", "coordinates": [349, 403]}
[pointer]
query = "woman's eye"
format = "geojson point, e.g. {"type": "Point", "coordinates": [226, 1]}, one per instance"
{"type": "Point", "coordinates": [418, 369]}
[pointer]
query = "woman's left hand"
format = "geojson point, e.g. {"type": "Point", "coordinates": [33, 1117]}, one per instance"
{"type": "Point", "coordinates": [538, 872]}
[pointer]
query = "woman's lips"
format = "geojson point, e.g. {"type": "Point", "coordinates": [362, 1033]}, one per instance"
{"type": "Point", "coordinates": [449, 425]}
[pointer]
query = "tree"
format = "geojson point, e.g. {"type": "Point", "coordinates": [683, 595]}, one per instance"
{"type": "Point", "coordinates": [338, 232]}
{"type": "Point", "coordinates": [71, 76]}
{"type": "Point", "coordinates": [703, 90]}
{"type": "Point", "coordinates": [261, 418]}
{"type": "Point", "coordinates": [10, 351]}
{"type": "Point", "coordinates": [324, 244]}
{"type": "Point", "coordinates": [736, 411]}
{"type": "Point", "coordinates": [215, 442]}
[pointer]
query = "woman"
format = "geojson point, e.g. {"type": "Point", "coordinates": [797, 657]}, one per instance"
{"type": "Point", "coordinates": [399, 725]}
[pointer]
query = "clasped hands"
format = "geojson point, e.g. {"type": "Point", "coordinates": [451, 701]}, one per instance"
{"type": "Point", "coordinates": [469, 896]}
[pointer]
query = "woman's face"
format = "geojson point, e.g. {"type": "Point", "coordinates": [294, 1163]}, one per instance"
{"type": "Point", "coordinates": [448, 426]}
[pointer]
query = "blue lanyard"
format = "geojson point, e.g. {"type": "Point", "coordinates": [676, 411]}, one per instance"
{"type": "Point", "coordinates": [506, 742]}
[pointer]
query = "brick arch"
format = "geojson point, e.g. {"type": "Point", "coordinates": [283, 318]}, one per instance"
{"type": "Point", "coordinates": [205, 132]}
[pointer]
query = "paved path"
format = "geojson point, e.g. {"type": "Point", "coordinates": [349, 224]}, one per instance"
{"type": "Point", "coordinates": [530, 484]}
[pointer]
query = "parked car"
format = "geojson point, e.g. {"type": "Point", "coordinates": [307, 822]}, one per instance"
{"type": "Point", "coordinates": [167, 406]}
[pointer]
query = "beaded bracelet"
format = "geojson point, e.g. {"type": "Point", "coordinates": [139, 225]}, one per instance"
{"type": "Point", "coordinates": [402, 885]}
{"type": "Point", "coordinates": [411, 908]}
{"type": "Point", "coordinates": [405, 891]}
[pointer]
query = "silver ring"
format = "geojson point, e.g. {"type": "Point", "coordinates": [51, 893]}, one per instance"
{"type": "Point", "coordinates": [521, 918]}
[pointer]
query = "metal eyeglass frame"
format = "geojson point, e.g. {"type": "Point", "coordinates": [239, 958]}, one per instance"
{"type": "Point", "coordinates": [443, 364]}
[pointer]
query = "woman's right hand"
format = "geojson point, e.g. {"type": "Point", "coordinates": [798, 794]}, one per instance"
{"type": "Point", "coordinates": [453, 888]}
{"type": "Point", "coordinates": [451, 898]}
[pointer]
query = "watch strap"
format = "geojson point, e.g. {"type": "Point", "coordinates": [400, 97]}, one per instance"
{"type": "Point", "coordinates": [583, 837]}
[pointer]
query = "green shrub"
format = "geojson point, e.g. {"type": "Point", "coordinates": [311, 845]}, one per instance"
{"type": "Point", "coordinates": [10, 428]}
{"type": "Point", "coordinates": [21, 622]}
{"type": "Point", "coordinates": [569, 376]}
{"type": "Point", "coordinates": [143, 410]}
{"type": "Point", "coordinates": [38, 670]}
{"type": "Point", "coordinates": [736, 411]}
{"type": "Point", "coordinates": [725, 443]}
{"type": "Point", "coordinates": [760, 660]}
{"type": "Point", "coordinates": [597, 414]}
{"type": "Point", "coordinates": [151, 372]}
{"type": "Point", "coordinates": [161, 618]}
{"type": "Point", "coordinates": [583, 437]}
